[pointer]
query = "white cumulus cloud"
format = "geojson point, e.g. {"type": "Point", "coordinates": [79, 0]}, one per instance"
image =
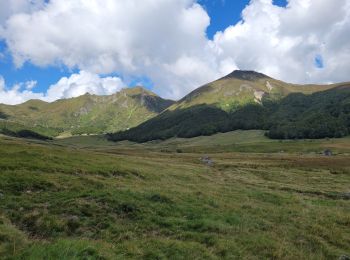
{"type": "Point", "coordinates": [165, 40]}
{"type": "Point", "coordinates": [284, 42]}
{"type": "Point", "coordinates": [11, 7]}
{"type": "Point", "coordinates": [84, 82]}
{"type": "Point", "coordinates": [15, 94]}
{"type": "Point", "coordinates": [133, 38]}
{"type": "Point", "coordinates": [73, 86]}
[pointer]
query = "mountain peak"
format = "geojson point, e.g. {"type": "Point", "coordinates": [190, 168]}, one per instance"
{"type": "Point", "coordinates": [34, 102]}
{"type": "Point", "coordinates": [137, 90]}
{"type": "Point", "coordinates": [246, 75]}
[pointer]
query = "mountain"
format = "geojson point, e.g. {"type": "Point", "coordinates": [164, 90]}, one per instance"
{"type": "Point", "coordinates": [243, 87]}
{"type": "Point", "coordinates": [87, 114]}
{"type": "Point", "coordinates": [251, 100]}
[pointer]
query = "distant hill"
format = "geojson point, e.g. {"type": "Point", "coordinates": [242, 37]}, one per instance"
{"type": "Point", "coordinates": [87, 114]}
{"type": "Point", "coordinates": [251, 100]}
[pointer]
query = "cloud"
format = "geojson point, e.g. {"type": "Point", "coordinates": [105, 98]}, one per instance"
{"type": "Point", "coordinates": [131, 37]}
{"type": "Point", "coordinates": [84, 82]}
{"type": "Point", "coordinates": [12, 7]}
{"type": "Point", "coordinates": [165, 40]}
{"type": "Point", "coordinates": [285, 42]}
{"type": "Point", "coordinates": [29, 85]}
{"type": "Point", "coordinates": [15, 95]}
{"type": "Point", "coordinates": [108, 36]}
{"type": "Point", "coordinates": [73, 86]}
{"type": "Point", "coordinates": [2, 83]}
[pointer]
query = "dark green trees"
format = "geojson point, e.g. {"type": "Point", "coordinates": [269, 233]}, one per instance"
{"type": "Point", "coordinates": [320, 115]}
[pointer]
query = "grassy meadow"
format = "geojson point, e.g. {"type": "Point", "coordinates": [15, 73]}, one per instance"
{"type": "Point", "coordinates": [87, 198]}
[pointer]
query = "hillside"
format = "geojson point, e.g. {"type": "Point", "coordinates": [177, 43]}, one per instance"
{"type": "Point", "coordinates": [150, 201]}
{"type": "Point", "coordinates": [240, 88]}
{"type": "Point", "coordinates": [251, 100]}
{"type": "Point", "coordinates": [87, 114]}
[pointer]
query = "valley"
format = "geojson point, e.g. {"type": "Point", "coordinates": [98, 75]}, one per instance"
{"type": "Point", "coordinates": [246, 167]}
{"type": "Point", "coordinates": [88, 198]}
{"type": "Point", "coordinates": [174, 129]}
{"type": "Point", "coordinates": [242, 100]}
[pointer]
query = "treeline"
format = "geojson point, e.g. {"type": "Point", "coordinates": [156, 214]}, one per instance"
{"type": "Point", "coordinates": [320, 115]}
{"type": "Point", "coordinates": [3, 115]}
{"type": "Point", "coordinates": [297, 116]}
{"type": "Point", "coordinates": [21, 131]}
{"type": "Point", "coordinates": [25, 134]}
{"type": "Point", "coordinates": [198, 120]}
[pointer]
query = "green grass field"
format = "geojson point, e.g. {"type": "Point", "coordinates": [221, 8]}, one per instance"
{"type": "Point", "coordinates": [87, 198]}
{"type": "Point", "coordinates": [251, 141]}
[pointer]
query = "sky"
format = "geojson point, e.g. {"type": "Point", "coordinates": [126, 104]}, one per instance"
{"type": "Point", "coordinates": [53, 49]}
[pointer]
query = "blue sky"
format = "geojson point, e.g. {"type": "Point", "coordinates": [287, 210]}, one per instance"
{"type": "Point", "coordinates": [74, 46]}
{"type": "Point", "coordinates": [222, 13]}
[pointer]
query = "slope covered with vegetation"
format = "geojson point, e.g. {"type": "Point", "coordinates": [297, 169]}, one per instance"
{"type": "Point", "coordinates": [24, 131]}
{"type": "Point", "coordinates": [136, 202]}
{"type": "Point", "coordinates": [285, 114]}
{"type": "Point", "coordinates": [320, 115]}
{"type": "Point", "coordinates": [87, 114]}
{"type": "Point", "coordinates": [240, 88]}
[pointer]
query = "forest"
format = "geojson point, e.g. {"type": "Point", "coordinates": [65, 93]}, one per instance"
{"type": "Point", "coordinates": [323, 114]}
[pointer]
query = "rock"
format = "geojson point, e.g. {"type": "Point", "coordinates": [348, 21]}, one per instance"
{"type": "Point", "coordinates": [327, 152]}
{"type": "Point", "coordinates": [344, 257]}
{"type": "Point", "coordinates": [206, 160]}
{"type": "Point", "coordinates": [73, 218]}
{"type": "Point", "coordinates": [346, 196]}
{"type": "Point", "coordinates": [269, 86]}
{"type": "Point", "coordinates": [1, 195]}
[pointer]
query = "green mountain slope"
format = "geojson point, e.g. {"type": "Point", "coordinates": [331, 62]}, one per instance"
{"type": "Point", "coordinates": [251, 100]}
{"type": "Point", "coordinates": [87, 114]}
{"type": "Point", "coordinates": [244, 87]}
{"type": "Point", "coordinates": [322, 114]}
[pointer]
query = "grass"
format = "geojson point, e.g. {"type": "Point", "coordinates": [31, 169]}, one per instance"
{"type": "Point", "coordinates": [86, 198]}
{"type": "Point", "coordinates": [86, 114]}
{"type": "Point", "coordinates": [247, 141]}
{"type": "Point", "coordinates": [254, 141]}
